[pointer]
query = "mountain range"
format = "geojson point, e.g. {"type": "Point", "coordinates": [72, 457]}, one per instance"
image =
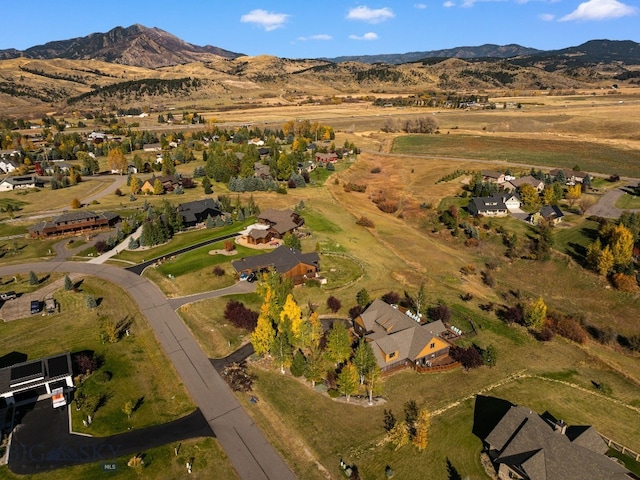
{"type": "Point", "coordinates": [140, 66]}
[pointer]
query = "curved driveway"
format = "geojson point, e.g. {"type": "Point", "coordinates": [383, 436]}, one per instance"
{"type": "Point", "coordinates": [243, 442]}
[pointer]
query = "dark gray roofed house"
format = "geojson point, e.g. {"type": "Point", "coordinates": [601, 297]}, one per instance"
{"type": "Point", "coordinates": [497, 206]}
{"type": "Point", "coordinates": [197, 211]}
{"type": "Point", "coordinates": [41, 375]}
{"type": "Point", "coordinates": [288, 262]}
{"type": "Point", "coordinates": [549, 213]}
{"type": "Point", "coordinates": [16, 183]}
{"type": "Point", "coordinates": [73, 222]}
{"type": "Point", "coordinates": [524, 445]}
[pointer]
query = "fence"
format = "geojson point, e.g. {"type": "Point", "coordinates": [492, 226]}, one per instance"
{"type": "Point", "coordinates": [621, 448]}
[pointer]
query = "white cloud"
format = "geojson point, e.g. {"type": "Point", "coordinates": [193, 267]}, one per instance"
{"type": "Point", "coordinates": [600, 10]}
{"type": "Point", "coordinates": [267, 20]}
{"type": "Point", "coordinates": [449, 4]}
{"type": "Point", "coordinates": [420, 6]}
{"type": "Point", "coordinates": [366, 36]}
{"type": "Point", "coordinates": [547, 17]}
{"type": "Point", "coordinates": [370, 15]}
{"type": "Point", "coordinates": [316, 37]}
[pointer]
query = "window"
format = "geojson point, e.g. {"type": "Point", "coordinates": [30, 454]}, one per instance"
{"type": "Point", "coordinates": [433, 345]}
{"type": "Point", "coordinates": [392, 354]}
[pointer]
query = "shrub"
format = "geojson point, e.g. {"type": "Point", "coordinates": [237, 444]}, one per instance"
{"type": "Point", "coordinates": [354, 187]}
{"type": "Point", "coordinates": [365, 222]}
{"type": "Point", "coordinates": [472, 242]}
{"type": "Point", "coordinates": [625, 283]}
{"type": "Point", "coordinates": [118, 192]}
{"type": "Point", "coordinates": [334, 304]}
{"type": "Point", "coordinates": [355, 311]}
{"type": "Point", "coordinates": [333, 393]}
{"type": "Point", "coordinates": [312, 282]}
{"type": "Point", "coordinates": [75, 203]}
{"type": "Point", "coordinates": [439, 312]}
{"type": "Point", "coordinates": [376, 170]}
{"type": "Point", "coordinates": [240, 316]}
{"type": "Point", "coordinates": [488, 279]}
{"type": "Point", "coordinates": [544, 335]}
{"type": "Point", "coordinates": [218, 271]}
{"type": "Point", "coordinates": [388, 206]}
{"type": "Point", "coordinates": [392, 298]}
{"type": "Point", "coordinates": [101, 246]}
{"type": "Point", "coordinates": [229, 246]}
{"type": "Point", "coordinates": [237, 377]}
{"type": "Point", "coordinates": [468, 269]}
{"type": "Point", "coordinates": [566, 327]}
{"type": "Point", "coordinates": [469, 357]}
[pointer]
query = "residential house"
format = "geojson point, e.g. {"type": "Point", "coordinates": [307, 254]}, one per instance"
{"type": "Point", "coordinates": [527, 446]}
{"type": "Point", "coordinates": [131, 168]}
{"type": "Point", "coordinates": [326, 158]}
{"type": "Point", "coordinates": [197, 212]}
{"type": "Point", "coordinates": [288, 262]}
{"type": "Point", "coordinates": [496, 206]}
{"type": "Point", "coordinates": [274, 224]}
{"type": "Point", "coordinates": [261, 170]}
{"type": "Point", "coordinates": [492, 176]}
{"type": "Point", "coordinates": [152, 147]}
{"type": "Point", "coordinates": [516, 183]}
{"type": "Point", "coordinates": [57, 166]}
{"type": "Point", "coordinates": [399, 339]}
{"type": "Point", "coordinates": [97, 137]}
{"type": "Point", "coordinates": [572, 176]}
{"type": "Point", "coordinates": [306, 166]}
{"type": "Point", "coordinates": [549, 214]}
{"type": "Point", "coordinates": [19, 183]}
{"type": "Point", "coordinates": [73, 222]}
{"type": "Point", "coordinates": [169, 183]}
{"type": "Point", "coordinates": [256, 141]}
{"type": "Point", "coordinates": [10, 161]}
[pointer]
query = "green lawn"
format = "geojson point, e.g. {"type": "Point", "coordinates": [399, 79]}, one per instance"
{"type": "Point", "coordinates": [591, 157]}
{"type": "Point", "coordinates": [628, 201]}
{"type": "Point", "coordinates": [575, 239]}
{"type": "Point", "coordinates": [181, 240]}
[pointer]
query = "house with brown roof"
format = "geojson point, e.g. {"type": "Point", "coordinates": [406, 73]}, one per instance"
{"type": "Point", "coordinates": [73, 222]}
{"type": "Point", "coordinates": [274, 224]}
{"type": "Point", "coordinates": [288, 262]}
{"type": "Point", "coordinates": [325, 158]}
{"type": "Point", "coordinates": [572, 176]}
{"type": "Point", "coordinates": [526, 180]}
{"type": "Point", "coordinates": [399, 338]}
{"type": "Point", "coordinates": [169, 183]}
{"type": "Point", "coordinates": [492, 176]}
{"type": "Point", "coordinates": [527, 446]}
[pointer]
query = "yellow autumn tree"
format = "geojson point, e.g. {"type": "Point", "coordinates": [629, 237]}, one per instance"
{"type": "Point", "coordinates": [116, 160]}
{"type": "Point", "coordinates": [293, 313]}
{"type": "Point", "coordinates": [311, 332]}
{"type": "Point", "coordinates": [529, 194]}
{"type": "Point", "coordinates": [573, 194]}
{"type": "Point", "coordinates": [422, 429]}
{"type": "Point", "coordinates": [621, 245]}
{"type": "Point", "coordinates": [535, 313]}
{"type": "Point", "coordinates": [606, 261]}
{"type": "Point", "coordinates": [263, 335]}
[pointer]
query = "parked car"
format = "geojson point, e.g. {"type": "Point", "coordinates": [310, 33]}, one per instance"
{"type": "Point", "coordinates": [252, 277]}
{"type": "Point", "coordinates": [7, 295]}
{"type": "Point", "coordinates": [35, 306]}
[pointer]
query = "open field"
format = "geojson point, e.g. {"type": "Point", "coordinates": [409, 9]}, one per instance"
{"type": "Point", "coordinates": [401, 251]}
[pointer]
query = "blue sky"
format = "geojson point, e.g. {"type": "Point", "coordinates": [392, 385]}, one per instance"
{"type": "Point", "coordinates": [330, 28]}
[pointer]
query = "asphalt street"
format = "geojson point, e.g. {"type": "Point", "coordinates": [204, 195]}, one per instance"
{"type": "Point", "coordinates": [246, 446]}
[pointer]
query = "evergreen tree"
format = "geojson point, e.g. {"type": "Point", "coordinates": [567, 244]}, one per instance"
{"type": "Point", "coordinates": [68, 284]}
{"type": "Point", "coordinates": [33, 278]}
{"type": "Point", "coordinates": [490, 355]}
{"type": "Point", "coordinates": [206, 185]}
{"type": "Point", "coordinates": [299, 364]}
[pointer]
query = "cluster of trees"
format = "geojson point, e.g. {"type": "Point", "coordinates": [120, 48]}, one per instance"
{"type": "Point", "coordinates": [140, 88]}
{"type": "Point", "coordinates": [611, 253]}
{"type": "Point", "coordinates": [160, 223]}
{"type": "Point", "coordinates": [414, 428]}
{"type": "Point", "coordinates": [297, 341]}
{"type": "Point", "coordinates": [411, 125]}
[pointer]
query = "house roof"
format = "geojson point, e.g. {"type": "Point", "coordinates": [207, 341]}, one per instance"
{"type": "Point", "coordinates": [34, 372]}
{"type": "Point", "coordinates": [282, 259]}
{"type": "Point", "coordinates": [551, 212]}
{"type": "Point", "coordinates": [526, 180]}
{"type": "Point", "coordinates": [191, 211]}
{"type": "Point", "coordinates": [484, 204]}
{"type": "Point", "coordinates": [491, 174]}
{"type": "Point", "coordinates": [282, 221]}
{"type": "Point", "coordinates": [390, 330]}
{"type": "Point", "coordinates": [26, 180]}
{"type": "Point", "coordinates": [527, 442]}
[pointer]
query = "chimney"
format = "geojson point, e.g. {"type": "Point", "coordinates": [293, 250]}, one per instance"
{"type": "Point", "coordinates": [561, 427]}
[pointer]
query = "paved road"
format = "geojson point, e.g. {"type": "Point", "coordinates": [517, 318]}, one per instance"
{"type": "Point", "coordinates": [606, 206]}
{"type": "Point", "coordinates": [245, 445]}
{"type": "Point", "coordinates": [240, 287]}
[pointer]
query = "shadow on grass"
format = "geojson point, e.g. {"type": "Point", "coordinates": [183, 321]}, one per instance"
{"type": "Point", "coordinates": [452, 471]}
{"type": "Point", "coordinates": [487, 413]}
